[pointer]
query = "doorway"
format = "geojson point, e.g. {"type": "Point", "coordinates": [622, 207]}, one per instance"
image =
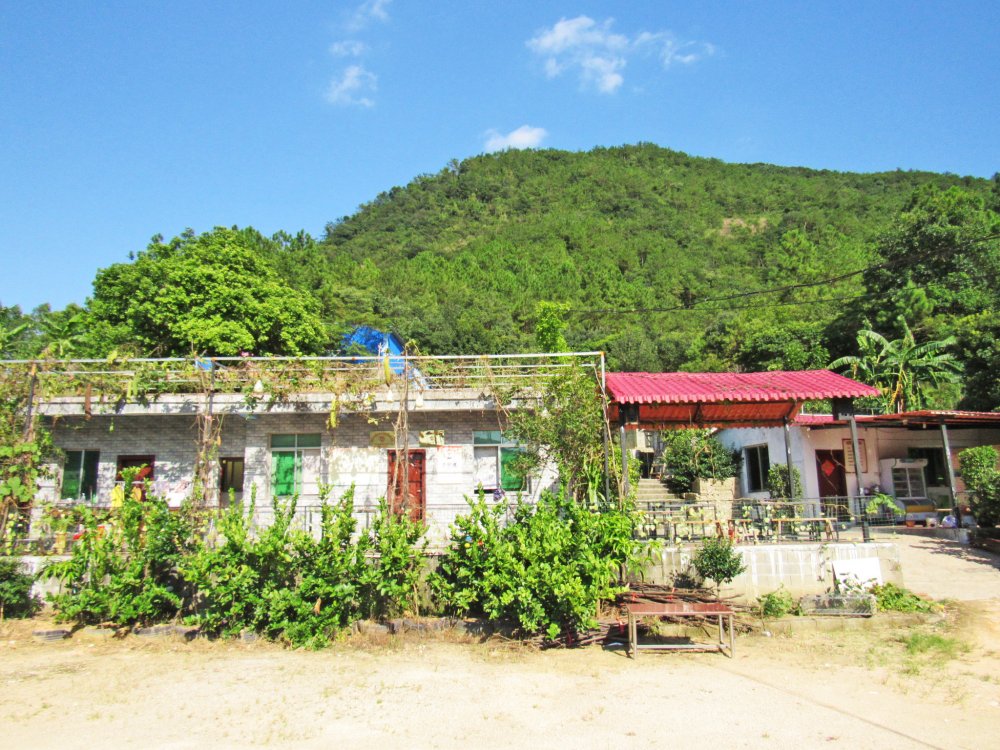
{"type": "Point", "coordinates": [412, 499]}
{"type": "Point", "coordinates": [144, 464]}
{"type": "Point", "coordinates": [832, 477]}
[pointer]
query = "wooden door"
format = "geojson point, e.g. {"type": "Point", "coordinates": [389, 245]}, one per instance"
{"type": "Point", "coordinates": [412, 498]}
{"type": "Point", "coordinates": [832, 482]}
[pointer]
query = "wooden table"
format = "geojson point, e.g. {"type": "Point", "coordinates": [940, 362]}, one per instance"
{"type": "Point", "coordinates": [717, 610]}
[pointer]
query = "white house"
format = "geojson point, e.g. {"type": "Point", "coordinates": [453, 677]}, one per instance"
{"type": "Point", "coordinates": [904, 455]}
{"type": "Point", "coordinates": [246, 437]}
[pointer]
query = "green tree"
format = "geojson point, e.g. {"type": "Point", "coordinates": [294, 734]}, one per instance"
{"type": "Point", "coordinates": [63, 333]}
{"type": "Point", "coordinates": [979, 472]}
{"type": "Point", "coordinates": [550, 326]}
{"type": "Point", "coordinates": [214, 293]}
{"type": "Point", "coordinates": [905, 372]}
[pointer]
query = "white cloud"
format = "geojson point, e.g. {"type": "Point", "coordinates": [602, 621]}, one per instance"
{"type": "Point", "coordinates": [523, 137]}
{"type": "Point", "coordinates": [599, 56]}
{"type": "Point", "coordinates": [353, 87]}
{"type": "Point", "coordinates": [348, 48]}
{"type": "Point", "coordinates": [368, 11]}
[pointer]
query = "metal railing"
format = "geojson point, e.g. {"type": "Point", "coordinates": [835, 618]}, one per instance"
{"type": "Point", "coordinates": [264, 377]}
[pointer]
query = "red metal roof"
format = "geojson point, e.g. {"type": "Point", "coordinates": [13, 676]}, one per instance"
{"type": "Point", "coordinates": [928, 417]}
{"type": "Point", "coordinates": [722, 387]}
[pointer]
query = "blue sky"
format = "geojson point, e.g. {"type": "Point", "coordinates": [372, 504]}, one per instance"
{"type": "Point", "coordinates": [122, 120]}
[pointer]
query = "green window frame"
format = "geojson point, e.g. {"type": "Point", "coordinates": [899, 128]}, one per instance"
{"type": "Point", "coordinates": [505, 454]}
{"type": "Point", "coordinates": [80, 475]}
{"type": "Point", "coordinates": [287, 455]}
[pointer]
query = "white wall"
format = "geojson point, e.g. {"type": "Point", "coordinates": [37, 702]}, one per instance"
{"type": "Point", "coordinates": [879, 443]}
{"type": "Point", "coordinates": [346, 456]}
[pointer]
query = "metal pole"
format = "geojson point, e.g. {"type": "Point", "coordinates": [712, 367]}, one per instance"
{"type": "Point", "coordinates": [788, 459]}
{"type": "Point", "coordinates": [866, 534]}
{"type": "Point", "coordinates": [606, 438]}
{"type": "Point", "coordinates": [951, 475]}
{"type": "Point", "coordinates": [625, 486]}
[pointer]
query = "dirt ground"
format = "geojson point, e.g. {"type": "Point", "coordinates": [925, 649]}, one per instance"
{"type": "Point", "coordinates": [857, 686]}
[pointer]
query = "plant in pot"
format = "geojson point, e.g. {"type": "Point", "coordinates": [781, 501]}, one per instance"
{"type": "Point", "coordinates": [57, 522]}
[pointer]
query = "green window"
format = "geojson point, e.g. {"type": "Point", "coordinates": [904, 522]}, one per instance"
{"type": "Point", "coordinates": [80, 475]}
{"type": "Point", "coordinates": [495, 462]}
{"type": "Point", "coordinates": [294, 464]}
{"type": "Point", "coordinates": [510, 477]}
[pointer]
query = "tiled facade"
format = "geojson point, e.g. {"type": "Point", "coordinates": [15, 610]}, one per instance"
{"type": "Point", "coordinates": [346, 455]}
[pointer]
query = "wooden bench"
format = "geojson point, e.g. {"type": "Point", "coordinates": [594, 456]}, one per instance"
{"type": "Point", "coordinates": [703, 610]}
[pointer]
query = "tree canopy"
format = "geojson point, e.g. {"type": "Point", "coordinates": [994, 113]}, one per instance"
{"type": "Point", "coordinates": [213, 293]}
{"type": "Point", "coordinates": [662, 260]}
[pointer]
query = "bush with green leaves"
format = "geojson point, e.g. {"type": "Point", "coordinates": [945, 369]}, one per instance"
{"type": "Point", "coordinates": [145, 564]}
{"type": "Point", "coordinates": [718, 561]}
{"type": "Point", "coordinates": [892, 598]}
{"type": "Point", "coordinates": [777, 604]}
{"type": "Point", "coordinates": [126, 568]}
{"type": "Point", "coordinates": [778, 485]}
{"type": "Point", "coordinates": [242, 583]}
{"type": "Point", "coordinates": [979, 472]}
{"type": "Point", "coordinates": [390, 582]}
{"type": "Point", "coordinates": [16, 599]}
{"type": "Point", "coordinates": [696, 454]}
{"type": "Point", "coordinates": [545, 570]}
{"type": "Point", "coordinates": [283, 583]}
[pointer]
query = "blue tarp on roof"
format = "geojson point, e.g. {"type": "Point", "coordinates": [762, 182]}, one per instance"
{"type": "Point", "coordinates": [377, 343]}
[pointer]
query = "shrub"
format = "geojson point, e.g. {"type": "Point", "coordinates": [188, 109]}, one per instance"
{"type": "Point", "coordinates": [125, 569]}
{"type": "Point", "coordinates": [283, 583]}
{"type": "Point", "coordinates": [390, 580]}
{"type": "Point", "coordinates": [16, 599]}
{"type": "Point", "coordinates": [979, 472]}
{"type": "Point", "coordinates": [777, 481]}
{"type": "Point", "coordinates": [545, 571]}
{"type": "Point", "coordinates": [892, 598]}
{"type": "Point", "coordinates": [246, 582]}
{"type": "Point", "coordinates": [717, 560]}
{"type": "Point", "coordinates": [327, 597]}
{"type": "Point", "coordinates": [776, 604]}
{"type": "Point", "coordinates": [696, 454]}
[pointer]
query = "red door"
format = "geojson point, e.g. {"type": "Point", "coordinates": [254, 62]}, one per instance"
{"type": "Point", "coordinates": [832, 483]}
{"type": "Point", "coordinates": [412, 498]}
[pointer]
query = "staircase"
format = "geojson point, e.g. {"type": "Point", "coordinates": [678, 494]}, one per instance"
{"type": "Point", "coordinates": [652, 494]}
{"type": "Point", "coordinates": [658, 504]}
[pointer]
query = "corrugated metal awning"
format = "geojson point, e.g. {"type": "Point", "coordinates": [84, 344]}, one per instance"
{"type": "Point", "coordinates": [722, 399]}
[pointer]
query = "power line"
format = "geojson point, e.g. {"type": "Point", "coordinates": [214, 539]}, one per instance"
{"type": "Point", "coordinates": [773, 290]}
{"type": "Point", "coordinates": [685, 308]}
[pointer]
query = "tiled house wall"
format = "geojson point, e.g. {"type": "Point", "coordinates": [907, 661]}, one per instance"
{"type": "Point", "coordinates": [346, 455]}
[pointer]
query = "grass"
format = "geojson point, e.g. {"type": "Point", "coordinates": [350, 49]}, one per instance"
{"type": "Point", "coordinates": [935, 644]}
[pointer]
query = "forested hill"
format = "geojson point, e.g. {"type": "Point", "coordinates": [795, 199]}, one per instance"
{"type": "Point", "coordinates": [663, 260]}
{"type": "Point", "coordinates": [458, 260]}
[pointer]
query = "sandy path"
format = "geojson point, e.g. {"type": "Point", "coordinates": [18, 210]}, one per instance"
{"type": "Point", "coordinates": [943, 569]}
{"type": "Point", "coordinates": [809, 691]}
{"type": "Point", "coordinates": [853, 688]}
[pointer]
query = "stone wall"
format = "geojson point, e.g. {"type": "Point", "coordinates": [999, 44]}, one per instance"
{"type": "Point", "coordinates": [800, 568]}
{"type": "Point", "coordinates": [718, 493]}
